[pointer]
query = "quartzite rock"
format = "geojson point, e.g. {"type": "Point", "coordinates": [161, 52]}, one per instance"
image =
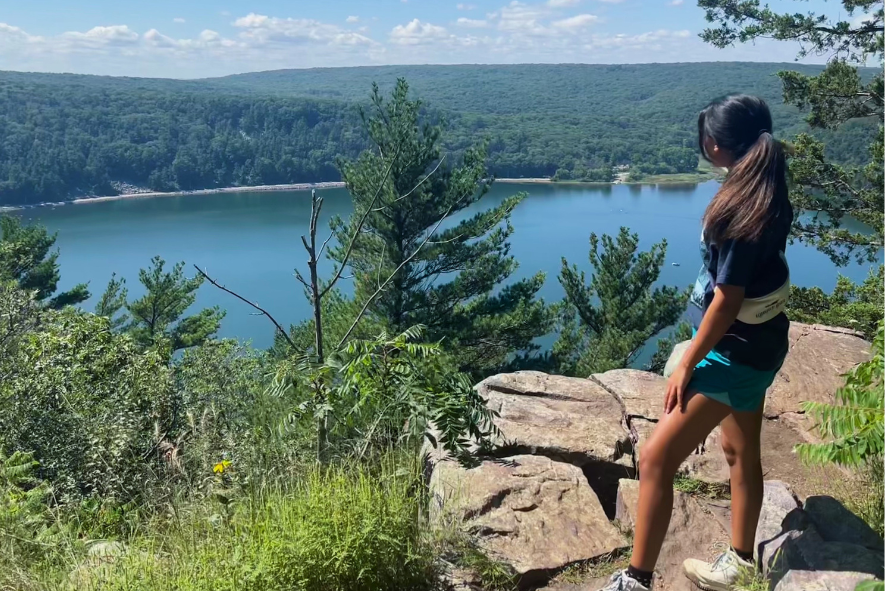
{"type": "Point", "coordinates": [836, 523]}
{"type": "Point", "coordinates": [641, 393]}
{"type": "Point", "coordinates": [799, 580]}
{"type": "Point", "coordinates": [570, 419]}
{"type": "Point", "coordinates": [693, 532]}
{"type": "Point", "coordinates": [813, 369]}
{"type": "Point", "coordinates": [533, 513]}
{"type": "Point", "coordinates": [807, 551]}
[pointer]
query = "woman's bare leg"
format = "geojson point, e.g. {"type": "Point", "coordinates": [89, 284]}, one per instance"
{"type": "Point", "coordinates": [675, 437]}
{"type": "Point", "coordinates": [741, 444]}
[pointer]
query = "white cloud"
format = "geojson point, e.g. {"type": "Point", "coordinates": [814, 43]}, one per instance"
{"type": "Point", "coordinates": [225, 13]}
{"type": "Point", "coordinates": [530, 31]}
{"type": "Point", "coordinates": [578, 21]}
{"type": "Point", "coordinates": [462, 6]}
{"type": "Point", "coordinates": [261, 29]}
{"type": "Point", "coordinates": [352, 19]}
{"type": "Point", "coordinates": [472, 23]}
{"type": "Point", "coordinates": [611, 1]}
{"type": "Point", "coordinates": [155, 38]}
{"type": "Point", "coordinates": [8, 33]}
{"type": "Point", "coordinates": [675, 3]}
{"type": "Point", "coordinates": [178, 20]}
{"type": "Point", "coordinates": [562, 3]}
{"type": "Point", "coordinates": [416, 32]}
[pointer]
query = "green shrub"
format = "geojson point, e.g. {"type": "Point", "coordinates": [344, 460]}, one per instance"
{"type": "Point", "coordinates": [337, 529]}
{"type": "Point", "coordinates": [851, 305]}
{"type": "Point", "coordinates": [87, 404]}
{"type": "Point", "coordinates": [853, 426]}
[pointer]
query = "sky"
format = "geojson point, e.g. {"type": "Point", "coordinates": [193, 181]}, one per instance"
{"type": "Point", "coordinates": [203, 38]}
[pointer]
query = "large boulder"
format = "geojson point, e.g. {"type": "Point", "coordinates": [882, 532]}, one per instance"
{"type": "Point", "coordinates": [818, 356]}
{"type": "Point", "coordinates": [533, 513]}
{"type": "Point", "coordinates": [836, 523]}
{"type": "Point", "coordinates": [778, 502]}
{"type": "Point", "coordinates": [570, 419]}
{"type": "Point", "coordinates": [641, 394]}
{"type": "Point", "coordinates": [798, 580]}
{"type": "Point", "coordinates": [792, 539]}
{"type": "Point", "coordinates": [692, 532]}
{"type": "Point", "coordinates": [814, 367]}
{"type": "Point", "coordinates": [807, 551]}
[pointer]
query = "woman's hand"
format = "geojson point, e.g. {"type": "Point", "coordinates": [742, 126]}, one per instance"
{"type": "Point", "coordinates": [677, 387]}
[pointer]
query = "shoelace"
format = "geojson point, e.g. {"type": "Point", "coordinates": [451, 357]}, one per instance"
{"type": "Point", "coordinates": [723, 562]}
{"type": "Point", "coordinates": [618, 582]}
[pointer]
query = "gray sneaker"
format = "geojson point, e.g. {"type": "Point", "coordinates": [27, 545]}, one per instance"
{"type": "Point", "coordinates": [721, 575]}
{"type": "Point", "coordinates": [620, 581]}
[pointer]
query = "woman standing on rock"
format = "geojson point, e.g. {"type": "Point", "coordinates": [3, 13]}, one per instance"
{"type": "Point", "coordinates": [740, 342]}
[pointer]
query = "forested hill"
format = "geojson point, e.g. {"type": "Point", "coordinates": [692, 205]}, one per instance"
{"type": "Point", "coordinates": [68, 135]}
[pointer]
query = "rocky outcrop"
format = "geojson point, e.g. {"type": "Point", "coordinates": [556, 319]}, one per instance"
{"type": "Point", "coordinates": [798, 580]}
{"type": "Point", "coordinates": [565, 466]}
{"type": "Point", "coordinates": [821, 536]}
{"type": "Point", "coordinates": [569, 419]}
{"type": "Point", "coordinates": [641, 395]}
{"type": "Point", "coordinates": [530, 512]}
{"type": "Point", "coordinates": [818, 357]}
{"type": "Point", "coordinates": [694, 531]}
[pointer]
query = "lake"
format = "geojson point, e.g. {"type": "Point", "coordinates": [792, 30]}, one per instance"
{"type": "Point", "coordinates": [250, 242]}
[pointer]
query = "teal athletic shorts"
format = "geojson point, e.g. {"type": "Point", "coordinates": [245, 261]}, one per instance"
{"type": "Point", "coordinates": [738, 386]}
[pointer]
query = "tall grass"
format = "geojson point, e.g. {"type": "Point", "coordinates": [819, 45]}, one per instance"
{"type": "Point", "coordinates": [354, 528]}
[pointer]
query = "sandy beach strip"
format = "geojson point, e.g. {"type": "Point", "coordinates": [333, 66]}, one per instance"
{"type": "Point", "coordinates": [253, 189]}
{"type": "Point", "coordinates": [215, 191]}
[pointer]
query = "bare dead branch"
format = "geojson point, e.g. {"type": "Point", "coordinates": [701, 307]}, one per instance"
{"type": "Point", "coordinates": [261, 310]}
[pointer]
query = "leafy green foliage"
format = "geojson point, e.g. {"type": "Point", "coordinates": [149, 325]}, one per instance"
{"type": "Point", "coordinates": [63, 136]}
{"type": "Point", "coordinates": [26, 258]}
{"type": "Point", "coordinates": [389, 392]}
{"type": "Point", "coordinates": [444, 279]}
{"type": "Point", "coordinates": [351, 528]}
{"type": "Point", "coordinates": [25, 520]}
{"type": "Point", "coordinates": [225, 412]}
{"type": "Point", "coordinates": [859, 307]}
{"type": "Point", "coordinates": [604, 323]}
{"type": "Point", "coordinates": [158, 316]}
{"type": "Point", "coordinates": [86, 402]}
{"type": "Point", "coordinates": [113, 302]}
{"type": "Point", "coordinates": [833, 97]}
{"type": "Point", "coordinates": [853, 426]}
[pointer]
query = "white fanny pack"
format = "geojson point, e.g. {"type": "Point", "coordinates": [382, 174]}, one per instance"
{"type": "Point", "coordinates": [767, 307]}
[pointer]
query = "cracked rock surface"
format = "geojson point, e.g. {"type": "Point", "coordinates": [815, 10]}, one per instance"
{"type": "Point", "coordinates": [570, 448]}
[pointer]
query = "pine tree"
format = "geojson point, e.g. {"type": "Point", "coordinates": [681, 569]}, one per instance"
{"type": "Point", "coordinates": [837, 95]}
{"type": "Point", "coordinates": [112, 302]}
{"type": "Point", "coordinates": [158, 316]}
{"type": "Point", "coordinates": [447, 279]}
{"type": "Point", "coordinates": [604, 324]}
{"type": "Point", "coordinates": [26, 257]}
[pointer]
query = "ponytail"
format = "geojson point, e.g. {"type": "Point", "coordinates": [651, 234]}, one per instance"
{"type": "Point", "coordinates": [754, 193]}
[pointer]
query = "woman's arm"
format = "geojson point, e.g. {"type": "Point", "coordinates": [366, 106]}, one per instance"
{"type": "Point", "coordinates": [720, 315]}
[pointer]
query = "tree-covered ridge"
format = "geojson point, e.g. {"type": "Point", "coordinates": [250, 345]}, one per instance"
{"type": "Point", "coordinates": [65, 135]}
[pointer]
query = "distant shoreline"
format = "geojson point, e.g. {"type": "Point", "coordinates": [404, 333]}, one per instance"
{"type": "Point", "coordinates": [311, 186]}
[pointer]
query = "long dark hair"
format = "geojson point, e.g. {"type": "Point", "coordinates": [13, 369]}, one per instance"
{"type": "Point", "coordinates": [755, 192]}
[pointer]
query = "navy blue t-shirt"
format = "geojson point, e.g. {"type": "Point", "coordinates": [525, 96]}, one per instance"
{"type": "Point", "coordinates": [759, 337]}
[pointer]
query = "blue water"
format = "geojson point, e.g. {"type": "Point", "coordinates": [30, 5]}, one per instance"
{"type": "Point", "coordinates": [251, 241]}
